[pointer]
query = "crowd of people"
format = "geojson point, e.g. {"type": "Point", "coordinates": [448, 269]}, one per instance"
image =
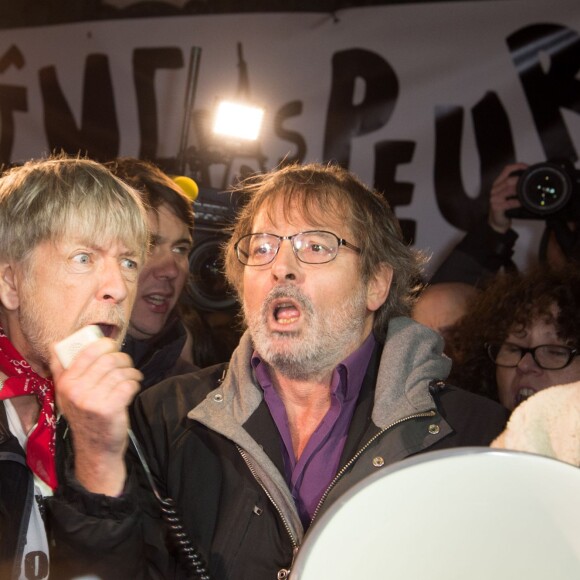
{"type": "Point", "coordinates": [510, 333]}
{"type": "Point", "coordinates": [144, 459]}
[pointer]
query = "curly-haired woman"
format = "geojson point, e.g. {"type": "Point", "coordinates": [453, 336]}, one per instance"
{"type": "Point", "coordinates": [520, 335]}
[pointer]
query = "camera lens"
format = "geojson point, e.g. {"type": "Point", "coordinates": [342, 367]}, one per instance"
{"type": "Point", "coordinates": [544, 189]}
{"type": "Point", "coordinates": [210, 289]}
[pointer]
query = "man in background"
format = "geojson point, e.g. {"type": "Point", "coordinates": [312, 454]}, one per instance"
{"type": "Point", "coordinates": [166, 335]}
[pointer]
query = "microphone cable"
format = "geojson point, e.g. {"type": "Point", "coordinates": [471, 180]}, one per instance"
{"type": "Point", "coordinates": [189, 555]}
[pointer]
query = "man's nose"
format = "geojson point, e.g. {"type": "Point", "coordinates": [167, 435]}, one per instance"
{"type": "Point", "coordinates": [164, 265]}
{"type": "Point", "coordinates": [286, 265]}
{"type": "Point", "coordinates": [113, 285]}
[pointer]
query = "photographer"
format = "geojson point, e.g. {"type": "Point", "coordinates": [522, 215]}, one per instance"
{"type": "Point", "coordinates": [488, 248]}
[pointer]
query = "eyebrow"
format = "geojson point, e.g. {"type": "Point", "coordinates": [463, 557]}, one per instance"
{"type": "Point", "coordinates": [155, 238]}
{"type": "Point", "coordinates": [126, 251]}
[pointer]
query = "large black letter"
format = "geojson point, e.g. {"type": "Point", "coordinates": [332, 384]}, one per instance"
{"type": "Point", "coordinates": [99, 133]}
{"type": "Point", "coordinates": [145, 62]}
{"type": "Point", "coordinates": [345, 119]}
{"type": "Point", "coordinates": [11, 99]}
{"type": "Point", "coordinates": [549, 91]}
{"type": "Point", "coordinates": [495, 147]}
{"type": "Point", "coordinates": [290, 110]}
{"type": "Point", "coordinates": [388, 155]}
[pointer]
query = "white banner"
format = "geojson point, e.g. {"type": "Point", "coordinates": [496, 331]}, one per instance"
{"type": "Point", "coordinates": [425, 101]}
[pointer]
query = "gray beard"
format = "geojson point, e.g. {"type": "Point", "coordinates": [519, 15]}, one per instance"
{"type": "Point", "coordinates": [315, 350]}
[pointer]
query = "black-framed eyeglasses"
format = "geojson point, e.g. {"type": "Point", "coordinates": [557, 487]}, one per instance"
{"type": "Point", "coordinates": [311, 247]}
{"type": "Point", "coordinates": [551, 357]}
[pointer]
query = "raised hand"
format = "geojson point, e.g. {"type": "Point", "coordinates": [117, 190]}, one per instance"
{"type": "Point", "coordinates": [93, 394]}
{"type": "Point", "coordinates": [503, 197]}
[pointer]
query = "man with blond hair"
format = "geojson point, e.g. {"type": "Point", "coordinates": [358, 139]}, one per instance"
{"type": "Point", "coordinates": [72, 241]}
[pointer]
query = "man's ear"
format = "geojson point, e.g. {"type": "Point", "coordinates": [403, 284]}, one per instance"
{"type": "Point", "coordinates": [378, 287]}
{"type": "Point", "coordinates": [8, 287]}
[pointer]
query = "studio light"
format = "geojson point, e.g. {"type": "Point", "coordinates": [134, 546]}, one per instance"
{"type": "Point", "coordinates": [238, 120]}
{"type": "Point", "coordinates": [226, 136]}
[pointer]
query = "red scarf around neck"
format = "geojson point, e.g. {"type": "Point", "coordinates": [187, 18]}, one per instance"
{"type": "Point", "coordinates": [22, 380]}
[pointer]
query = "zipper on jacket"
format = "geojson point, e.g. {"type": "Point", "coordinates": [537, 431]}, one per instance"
{"type": "Point", "coordinates": [341, 472]}
{"type": "Point", "coordinates": [272, 501]}
{"type": "Point", "coordinates": [349, 463]}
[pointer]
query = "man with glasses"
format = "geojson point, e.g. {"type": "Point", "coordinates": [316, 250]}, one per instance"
{"type": "Point", "coordinates": [331, 382]}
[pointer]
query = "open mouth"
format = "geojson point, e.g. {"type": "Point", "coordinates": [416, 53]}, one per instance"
{"type": "Point", "coordinates": [285, 312]}
{"type": "Point", "coordinates": [108, 330]}
{"type": "Point", "coordinates": [523, 394]}
{"type": "Point", "coordinates": [156, 299]}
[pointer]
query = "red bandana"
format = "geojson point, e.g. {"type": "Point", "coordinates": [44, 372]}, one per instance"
{"type": "Point", "coordinates": [22, 380]}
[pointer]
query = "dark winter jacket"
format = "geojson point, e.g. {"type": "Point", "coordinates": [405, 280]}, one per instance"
{"type": "Point", "coordinates": [480, 255]}
{"type": "Point", "coordinates": [16, 498]}
{"type": "Point", "coordinates": [160, 357]}
{"type": "Point", "coordinates": [213, 447]}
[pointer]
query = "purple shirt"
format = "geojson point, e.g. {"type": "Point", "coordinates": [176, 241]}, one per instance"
{"type": "Point", "coordinates": [309, 476]}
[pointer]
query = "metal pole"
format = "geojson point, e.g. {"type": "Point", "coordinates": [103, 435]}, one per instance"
{"type": "Point", "coordinates": [191, 89]}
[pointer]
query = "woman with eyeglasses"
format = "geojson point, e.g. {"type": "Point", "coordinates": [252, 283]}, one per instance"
{"type": "Point", "coordinates": [520, 336]}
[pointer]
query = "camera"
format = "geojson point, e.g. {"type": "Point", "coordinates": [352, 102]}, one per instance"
{"type": "Point", "coordinates": [214, 212]}
{"type": "Point", "coordinates": [549, 190]}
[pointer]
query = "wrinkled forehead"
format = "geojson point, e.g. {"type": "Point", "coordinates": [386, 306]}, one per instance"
{"type": "Point", "coordinates": [103, 231]}
{"type": "Point", "coordinates": [301, 212]}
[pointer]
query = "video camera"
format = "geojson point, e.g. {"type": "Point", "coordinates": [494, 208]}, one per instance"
{"type": "Point", "coordinates": [549, 190]}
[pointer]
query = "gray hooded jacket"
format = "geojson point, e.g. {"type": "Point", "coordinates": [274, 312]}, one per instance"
{"type": "Point", "coordinates": [213, 447]}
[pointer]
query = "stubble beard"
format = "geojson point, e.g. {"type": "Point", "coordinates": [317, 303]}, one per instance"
{"type": "Point", "coordinates": [38, 329]}
{"type": "Point", "coordinates": [322, 342]}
